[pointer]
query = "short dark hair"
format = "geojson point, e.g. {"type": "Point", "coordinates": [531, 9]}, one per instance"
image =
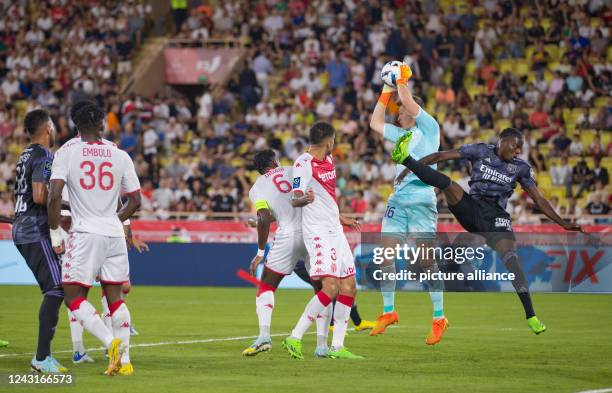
{"type": "Point", "coordinates": [264, 159]}
{"type": "Point", "coordinates": [319, 131]}
{"type": "Point", "coordinates": [78, 106]}
{"type": "Point", "coordinates": [511, 133]}
{"type": "Point", "coordinates": [34, 120]}
{"type": "Point", "coordinates": [89, 118]}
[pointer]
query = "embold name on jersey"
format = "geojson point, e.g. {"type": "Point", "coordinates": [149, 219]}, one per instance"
{"type": "Point", "coordinates": [274, 171]}
{"type": "Point", "coordinates": [493, 175]}
{"type": "Point", "coordinates": [96, 152]}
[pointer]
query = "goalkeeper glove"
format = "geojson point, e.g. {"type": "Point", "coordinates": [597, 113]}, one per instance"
{"type": "Point", "coordinates": [405, 74]}
{"type": "Point", "coordinates": [385, 95]}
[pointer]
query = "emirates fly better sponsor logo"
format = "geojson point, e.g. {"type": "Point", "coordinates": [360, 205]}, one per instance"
{"type": "Point", "coordinates": [493, 175]}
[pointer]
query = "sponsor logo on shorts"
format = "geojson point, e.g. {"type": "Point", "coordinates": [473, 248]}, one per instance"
{"type": "Point", "coordinates": [296, 182]}
{"type": "Point", "coordinates": [501, 222]}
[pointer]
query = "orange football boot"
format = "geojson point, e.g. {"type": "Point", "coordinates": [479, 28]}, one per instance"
{"type": "Point", "coordinates": [384, 320]}
{"type": "Point", "coordinates": [438, 327]}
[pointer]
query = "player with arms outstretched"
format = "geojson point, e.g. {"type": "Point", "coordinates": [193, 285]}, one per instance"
{"type": "Point", "coordinates": [411, 209]}
{"type": "Point", "coordinates": [331, 260]}
{"type": "Point", "coordinates": [95, 172]}
{"type": "Point", "coordinates": [495, 171]}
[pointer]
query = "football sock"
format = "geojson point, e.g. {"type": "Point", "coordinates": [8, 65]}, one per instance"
{"type": "Point", "coordinates": [341, 316]}
{"type": "Point", "coordinates": [120, 316]}
{"type": "Point", "coordinates": [76, 333]}
{"type": "Point", "coordinates": [436, 293]}
{"type": "Point", "coordinates": [323, 321]}
{"type": "Point", "coordinates": [264, 304]}
{"type": "Point", "coordinates": [90, 320]}
{"type": "Point", "coordinates": [106, 316]}
{"type": "Point", "coordinates": [387, 287]}
{"type": "Point", "coordinates": [313, 308]}
{"type": "Point", "coordinates": [355, 317]}
{"type": "Point", "coordinates": [48, 314]}
{"type": "Point", "coordinates": [519, 283]}
{"type": "Point", "coordinates": [426, 174]}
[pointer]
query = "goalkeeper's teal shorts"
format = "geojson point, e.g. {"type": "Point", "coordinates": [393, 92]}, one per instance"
{"type": "Point", "coordinates": [414, 210]}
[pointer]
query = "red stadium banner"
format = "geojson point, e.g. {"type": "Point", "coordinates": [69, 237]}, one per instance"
{"type": "Point", "coordinates": [188, 66]}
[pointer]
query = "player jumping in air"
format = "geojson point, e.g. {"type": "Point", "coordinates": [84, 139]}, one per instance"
{"type": "Point", "coordinates": [495, 171]}
{"type": "Point", "coordinates": [411, 209]}
{"type": "Point", "coordinates": [331, 260]}
{"type": "Point", "coordinates": [31, 232]}
{"type": "Point", "coordinates": [95, 171]}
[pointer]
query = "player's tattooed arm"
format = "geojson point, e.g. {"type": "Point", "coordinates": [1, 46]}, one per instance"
{"type": "Point", "coordinates": [542, 204]}
{"type": "Point", "coordinates": [54, 206]}
{"type": "Point", "coordinates": [133, 204]}
{"type": "Point", "coordinates": [264, 219]}
{"type": "Point", "coordinates": [299, 199]}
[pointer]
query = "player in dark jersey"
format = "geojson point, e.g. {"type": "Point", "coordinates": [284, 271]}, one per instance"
{"type": "Point", "coordinates": [31, 231]}
{"type": "Point", "coordinates": [495, 172]}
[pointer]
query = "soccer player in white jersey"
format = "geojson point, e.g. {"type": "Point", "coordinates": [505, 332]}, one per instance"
{"type": "Point", "coordinates": [95, 172]}
{"type": "Point", "coordinates": [271, 196]}
{"type": "Point", "coordinates": [79, 354]}
{"type": "Point", "coordinates": [331, 260]}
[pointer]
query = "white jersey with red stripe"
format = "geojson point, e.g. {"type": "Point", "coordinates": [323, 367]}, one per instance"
{"type": "Point", "coordinates": [96, 173]}
{"type": "Point", "coordinates": [322, 216]}
{"type": "Point", "coordinates": [272, 190]}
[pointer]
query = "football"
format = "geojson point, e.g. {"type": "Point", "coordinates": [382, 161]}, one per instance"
{"type": "Point", "coordinates": [390, 72]}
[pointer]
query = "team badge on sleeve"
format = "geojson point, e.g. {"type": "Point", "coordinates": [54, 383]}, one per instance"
{"type": "Point", "coordinates": [47, 169]}
{"type": "Point", "coordinates": [296, 182]}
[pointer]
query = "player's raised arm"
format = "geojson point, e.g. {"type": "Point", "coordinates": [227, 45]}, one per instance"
{"type": "Point", "coordinates": [406, 98]}
{"type": "Point", "coordinates": [377, 121]}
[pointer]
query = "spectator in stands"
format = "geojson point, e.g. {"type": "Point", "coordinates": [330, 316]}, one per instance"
{"type": "Point", "coordinates": [582, 176]}
{"type": "Point", "coordinates": [576, 148]}
{"type": "Point", "coordinates": [561, 145]}
{"type": "Point", "coordinates": [338, 71]}
{"type": "Point", "coordinates": [596, 148]}
{"type": "Point", "coordinates": [600, 173]}
{"type": "Point", "coordinates": [597, 206]}
{"type": "Point", "coordinates": [562, 175]}
{"type": "Point", "coordinates": [505, 107]}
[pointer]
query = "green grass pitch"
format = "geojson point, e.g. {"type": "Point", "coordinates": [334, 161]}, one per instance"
{"type": "Point", "coordinates": [488, 347]}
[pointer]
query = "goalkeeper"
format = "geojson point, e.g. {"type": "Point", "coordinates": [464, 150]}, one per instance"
{"type": "Point", "coordinates": [411, 208]}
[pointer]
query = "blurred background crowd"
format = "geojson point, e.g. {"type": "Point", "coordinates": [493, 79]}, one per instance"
{"type": "Point", "coordinates": [544, 67]}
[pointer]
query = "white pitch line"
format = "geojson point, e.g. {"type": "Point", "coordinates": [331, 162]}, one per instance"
{"type": "Point", "coordinates": [605, 390]}
{"type": "Point", "coordinates": [182, 342]}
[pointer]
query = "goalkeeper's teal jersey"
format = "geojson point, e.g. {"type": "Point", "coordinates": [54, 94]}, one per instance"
{"type": "Point", "coordinates": [425, 140]}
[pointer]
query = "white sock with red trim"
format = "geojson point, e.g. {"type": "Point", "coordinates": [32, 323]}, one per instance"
{"type": "Point", "coordinates": [314, 307]}
{"type": "Point", "coordinates": [323, 321]}
{"type": "Point", "coordinates": [342, 314]}
{"type": "Point", "coordinates": [106, 317]}
{"type": "Point", "coordinates": [120, 316]}
{"type": "Point", "coordinates": [90, 320]}
{"type": "Point", "coordinates": [76, 333]}
{"type": "Point", "coordinates": [264, 304]}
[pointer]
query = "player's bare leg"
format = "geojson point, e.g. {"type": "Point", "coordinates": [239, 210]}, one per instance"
{"type": "Point", "coordinates": [75, 297]}
{"type": "Point", "coordinates": [121, 321]}
{"type": "Point", "coordinates": [506, 249]}
{"type": "Point", "coordinates": [387, 288]}
{"type": "Point", "coordinates": [344, 302]}
{"type": "Point", "coordinates": [264, 305]}
{"type": "Point", "coordinates": [316, 305]}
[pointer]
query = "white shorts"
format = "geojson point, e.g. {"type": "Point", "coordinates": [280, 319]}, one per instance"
{"type": "Point", "coordinates": [330, 256]}
{"type": "Point", "coordinates": [286, 251]}
{"type": "Point", "coordinates": [88, 255]}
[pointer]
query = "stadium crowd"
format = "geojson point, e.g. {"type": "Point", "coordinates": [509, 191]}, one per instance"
{"type": "Point", "coordinates": [541, 66]}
